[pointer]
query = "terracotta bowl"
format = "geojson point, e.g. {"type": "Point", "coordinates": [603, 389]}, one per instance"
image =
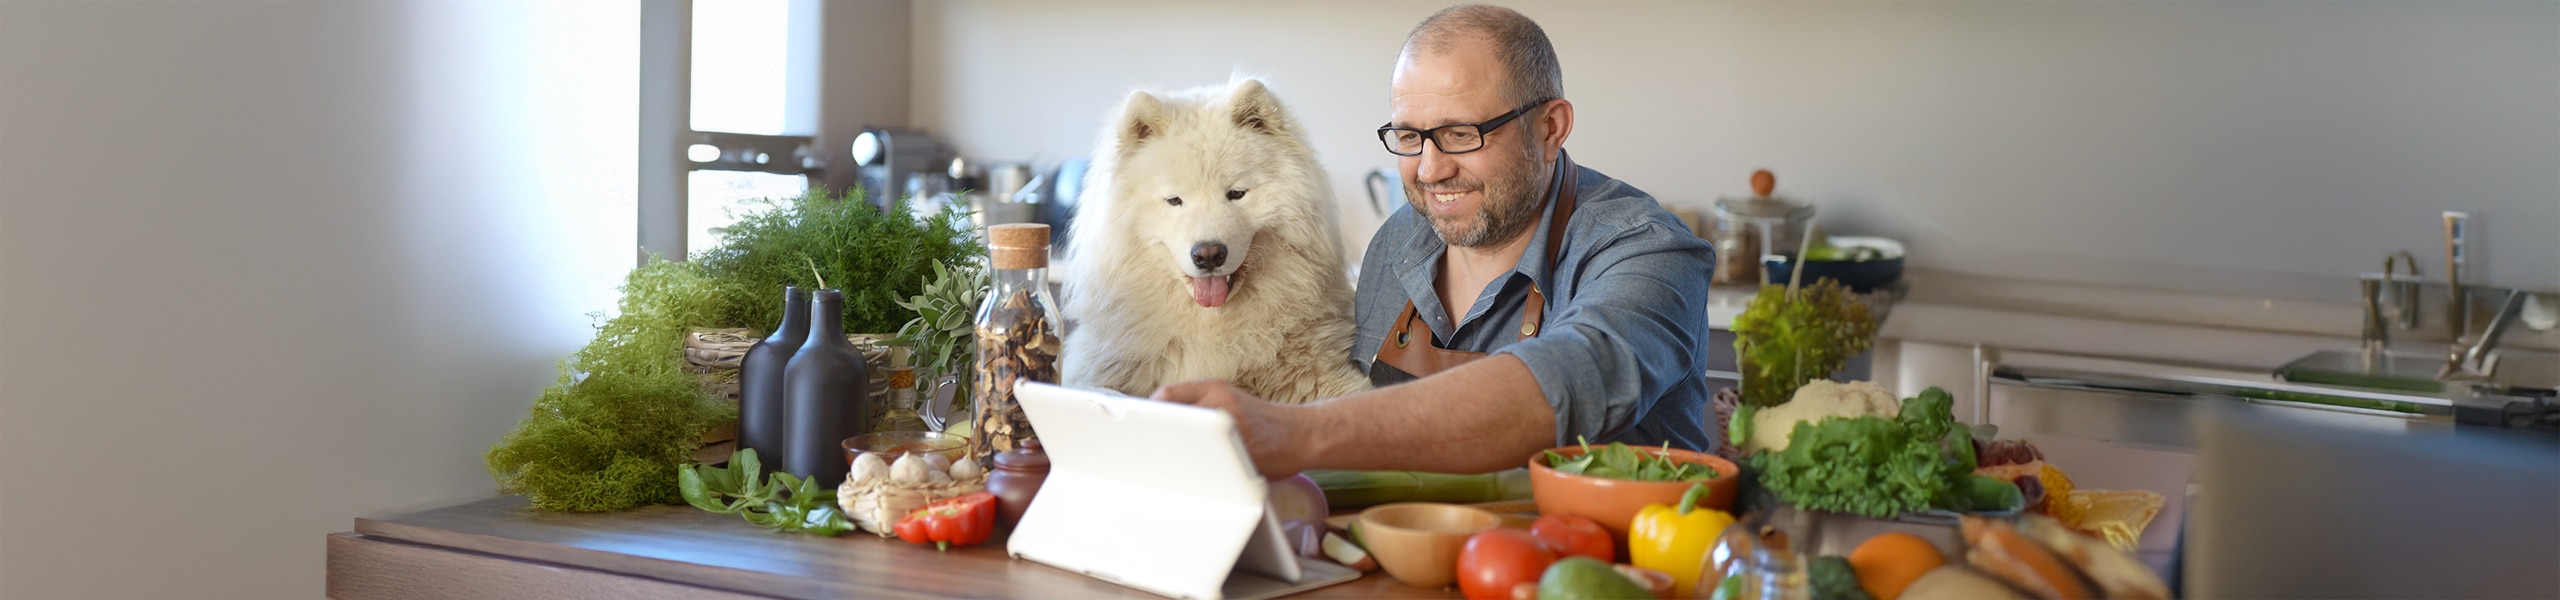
{"type": "Point", "coordinates": [1614, 502]}
{"type": "Point", "coordinates": [1418, 542]}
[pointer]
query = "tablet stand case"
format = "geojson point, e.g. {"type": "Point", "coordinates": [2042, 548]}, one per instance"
{"type": "Point", "coordinates": [1155, 496]}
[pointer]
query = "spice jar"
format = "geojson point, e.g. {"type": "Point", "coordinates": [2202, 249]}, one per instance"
{"type": "Point", "coordinates": [1749, 230]}
{"type": "Point", "coordinates": [1017, 330]}
{"type": "Point", "coordinates": [1016, 479]}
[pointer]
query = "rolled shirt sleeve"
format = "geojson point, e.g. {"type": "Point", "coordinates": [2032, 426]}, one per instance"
{"type": "Point", "coordinates": [1620, 358]}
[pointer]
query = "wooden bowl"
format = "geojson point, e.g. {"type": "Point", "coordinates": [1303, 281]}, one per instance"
{"type": "Point", "coordinates": [1418, 542]}
{"type": "Point", "coordinates": [1614, 502]}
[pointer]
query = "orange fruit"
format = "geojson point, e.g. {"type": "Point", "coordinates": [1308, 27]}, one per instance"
{"type": "Point", "coordinates": [1889, 562]}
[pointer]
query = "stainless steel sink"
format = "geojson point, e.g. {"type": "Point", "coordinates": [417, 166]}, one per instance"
{"type": "Point", "coordinates": [2516, 371]}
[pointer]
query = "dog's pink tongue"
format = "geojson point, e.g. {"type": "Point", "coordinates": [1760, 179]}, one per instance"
{"type": "Point", "coordinates": [1209, 291]}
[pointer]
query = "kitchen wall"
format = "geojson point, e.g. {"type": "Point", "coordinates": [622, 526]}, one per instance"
{"type": "Point", "coordinates": [269, 266]}
{"type": "Point", "coordinates": [2255, 148]}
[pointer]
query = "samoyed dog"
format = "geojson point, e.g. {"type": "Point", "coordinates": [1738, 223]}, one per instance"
{"type": "Point", "coordinates": [1205, 247]}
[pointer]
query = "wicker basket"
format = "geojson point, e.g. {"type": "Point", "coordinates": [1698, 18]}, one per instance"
{"type": "Point", "coordinates": [712, 356]}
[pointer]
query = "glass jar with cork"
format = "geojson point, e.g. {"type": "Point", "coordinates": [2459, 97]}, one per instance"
{"type": "Point", "coordinates": [1017, 337]}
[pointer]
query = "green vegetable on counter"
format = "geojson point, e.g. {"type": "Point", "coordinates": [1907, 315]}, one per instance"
{"type": "Point", "coordinates": [624, 414]}
{"type": "Point", "coordinates": [782, 502]}
{"type": "Point", "coordinates": [610, 432]}
{"type": "Point", "coordinates": [1877, 467]}
{"type": "Point", "coordinates": [1786, 338]}
{"type": "Point", "coordinates": [1620, 461]}
{"type": "Point", "coordinates": [1833, 579]}
{"type": "Point", "coordinates": [1352, 489]}
{"type": "Point", "coordinates": [877, 257]}
{"type": "Point", "coordinates": [1586, 578]}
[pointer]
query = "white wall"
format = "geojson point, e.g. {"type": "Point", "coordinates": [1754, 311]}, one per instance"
{"type": "Point", "coordinates": [268, 266]}
{"type": "Point", "coordinates": [2240, 147]}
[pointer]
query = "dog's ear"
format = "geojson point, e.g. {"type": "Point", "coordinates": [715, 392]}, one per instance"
{"type": "Point", "coordinates": [1141, 119]}
{"type": "Point", "coordinates": [1255, 109]}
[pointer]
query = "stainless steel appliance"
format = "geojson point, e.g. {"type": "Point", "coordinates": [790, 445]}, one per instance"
{"type": "Point", "coordinates": [886, 156]}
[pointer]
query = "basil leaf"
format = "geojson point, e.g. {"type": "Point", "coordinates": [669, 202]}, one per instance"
{"type": "Point", "coordinates": [748, 469]}
{"type": "Point", "coordinates": [689, 483]}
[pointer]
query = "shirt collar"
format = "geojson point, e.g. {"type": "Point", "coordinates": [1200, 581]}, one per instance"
{"type": "Point", "coordinates": [1416, 275]}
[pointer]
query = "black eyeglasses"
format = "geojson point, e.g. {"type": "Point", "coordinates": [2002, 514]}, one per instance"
{"type": "Point", "coordinates": [1456, 138]}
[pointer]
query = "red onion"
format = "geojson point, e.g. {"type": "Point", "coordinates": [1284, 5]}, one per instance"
{"type": "Point", "coordinates": [1301, 508]}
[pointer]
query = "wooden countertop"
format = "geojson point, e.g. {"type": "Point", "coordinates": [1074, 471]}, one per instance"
{"type": "Point", "coordinates": [699, 553]}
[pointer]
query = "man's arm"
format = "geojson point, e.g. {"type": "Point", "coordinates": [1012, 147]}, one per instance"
{"type": "Point", "coordinates": [1485, 415]}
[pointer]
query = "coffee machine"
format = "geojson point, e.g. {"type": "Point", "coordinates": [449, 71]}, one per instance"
{"type": "Point", "coordinates": [884, 157]}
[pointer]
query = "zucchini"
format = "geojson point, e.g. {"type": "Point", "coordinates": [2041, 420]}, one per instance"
{"type": "Point", "coordinates": [1353, 489]}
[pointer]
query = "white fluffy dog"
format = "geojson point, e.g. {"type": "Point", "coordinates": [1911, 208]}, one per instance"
{"type": "Point", "coordinates": [1205, 247]}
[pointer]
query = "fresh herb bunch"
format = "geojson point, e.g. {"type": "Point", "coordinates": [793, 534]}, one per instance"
{"type": "Point", "coordinates": [1873, 466]}
{"type": "Point", "coordinates": [943, 332]}
{"type": "Point", "coordinates": [782, 502]}
{"type": "Point", "coordinates": [1620, 461]}
{"type": "Point", "coordinates": [609, 433]}
{"type": "Point", "coordinates": [877, 257]}
{"type": "Point", "coordinates": [1786, 341]}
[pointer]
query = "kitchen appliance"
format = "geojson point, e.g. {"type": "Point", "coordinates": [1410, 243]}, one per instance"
{"type": "Point", "coordinates": [1061, 192]}
{"type": "Point", "coordinates": [1010, 195]}
{"type": "Point", "coordinates": [885, 157]}
{"type": "Point", "coordinates": [1755, 228]}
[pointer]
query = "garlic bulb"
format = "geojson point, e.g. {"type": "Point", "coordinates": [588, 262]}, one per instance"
{"type": "Point", "coordinates": [909, 469]}
{"type": "Point", "coordinates": [937, 462]}
{"type": "Point", "coordinates": [966, 469]}
{"type": "Point", "coordinates": [867, 467]}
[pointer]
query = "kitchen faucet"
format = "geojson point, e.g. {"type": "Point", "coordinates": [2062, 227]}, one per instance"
{"type": "Point", "coordinates": [2469, 360]}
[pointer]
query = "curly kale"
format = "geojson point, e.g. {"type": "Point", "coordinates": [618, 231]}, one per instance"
{"type": "Point", "coordinates": [1873, 466]}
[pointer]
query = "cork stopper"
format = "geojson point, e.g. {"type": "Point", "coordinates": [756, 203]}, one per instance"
{"type": "Point", "coordinates": [1019, 246]}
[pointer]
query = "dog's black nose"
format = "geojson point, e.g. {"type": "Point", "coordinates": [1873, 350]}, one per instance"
{"type": "Point", "coordinates": [1209, 256]}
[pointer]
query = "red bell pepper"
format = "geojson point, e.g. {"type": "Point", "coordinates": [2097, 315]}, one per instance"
{"type": "Point", "coordinates": [963, 521]}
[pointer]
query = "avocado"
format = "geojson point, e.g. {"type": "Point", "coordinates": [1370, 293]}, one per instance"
{"type": "Point", "coordinates": [1586, 578]}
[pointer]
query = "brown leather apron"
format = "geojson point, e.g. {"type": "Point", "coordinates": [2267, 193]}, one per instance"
{"type": "Point", "coordinates": [1404, 356]}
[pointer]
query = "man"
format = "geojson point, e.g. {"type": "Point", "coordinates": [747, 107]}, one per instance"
{"type": "Point", "coordinates": [1582, 303]}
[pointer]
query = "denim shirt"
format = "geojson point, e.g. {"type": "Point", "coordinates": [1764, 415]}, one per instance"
{"type": "Point", "coordinates": [1621, 351]}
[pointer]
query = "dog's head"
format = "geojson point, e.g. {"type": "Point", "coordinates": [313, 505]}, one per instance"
{"type": "Point", "coordinates": [1201, 176]}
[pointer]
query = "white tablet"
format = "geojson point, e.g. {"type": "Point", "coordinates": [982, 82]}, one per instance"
{"type": "Point", "coordinates": [1155, 496]}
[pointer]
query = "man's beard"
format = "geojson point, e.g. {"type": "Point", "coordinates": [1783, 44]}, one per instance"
{"type": "Point", "coordinates": [1511, 204]}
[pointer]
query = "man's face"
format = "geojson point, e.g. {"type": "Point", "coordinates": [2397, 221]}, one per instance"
{"type": "Point", "coordinates": [1477, 199]}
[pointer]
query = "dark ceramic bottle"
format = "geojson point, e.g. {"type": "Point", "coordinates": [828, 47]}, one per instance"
{"type": "Point", "coordinates": [1017, 478]}
{"type": "Point", "coordinates": [825, 392]}
{"type": "Point", "coordinates": [760, 380]}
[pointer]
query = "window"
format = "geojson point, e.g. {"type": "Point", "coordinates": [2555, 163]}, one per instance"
{"type": "Point", "coordinates": [747, 72]}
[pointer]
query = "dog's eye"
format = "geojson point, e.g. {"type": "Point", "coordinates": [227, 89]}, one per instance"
{"type": "Point", "coordinates": [1173, 200]}
{"type": "Point", "coordinates": [1235, 194]}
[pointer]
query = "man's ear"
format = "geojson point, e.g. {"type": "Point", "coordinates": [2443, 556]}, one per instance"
{"type": "Point", "coordinates": [1555, 123]}
{"type": "Point", "coordinates": [1253, 108]}
{"type": "Point", "coordinates": [1141, 119]}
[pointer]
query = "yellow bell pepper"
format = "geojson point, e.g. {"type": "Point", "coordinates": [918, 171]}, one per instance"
{"type": "Point", "coordinates": [1675, 540]}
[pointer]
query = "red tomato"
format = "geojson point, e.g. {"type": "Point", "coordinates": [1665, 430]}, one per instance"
{"type": "Point", "coordinates": [1575, 536]}
{"type": "Point", "coordinates": [1498, 559]}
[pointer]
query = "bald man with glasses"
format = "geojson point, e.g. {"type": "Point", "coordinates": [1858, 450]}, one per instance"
{"type": "Point", "coordinates": [1519, 302]}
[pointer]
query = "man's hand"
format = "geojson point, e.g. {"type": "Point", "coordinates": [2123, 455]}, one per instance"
{"type": "Point", "coordinates": [1272, 433]}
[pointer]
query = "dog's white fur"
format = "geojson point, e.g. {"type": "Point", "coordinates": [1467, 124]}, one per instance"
{"type": "Point", "coordinates": [1285, 330]}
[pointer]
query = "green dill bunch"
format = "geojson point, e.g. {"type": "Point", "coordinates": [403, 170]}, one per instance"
{"type": "Point", "coordinates": [876, 257]}
{"type": "Point", "coordinates": [624, 414]}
